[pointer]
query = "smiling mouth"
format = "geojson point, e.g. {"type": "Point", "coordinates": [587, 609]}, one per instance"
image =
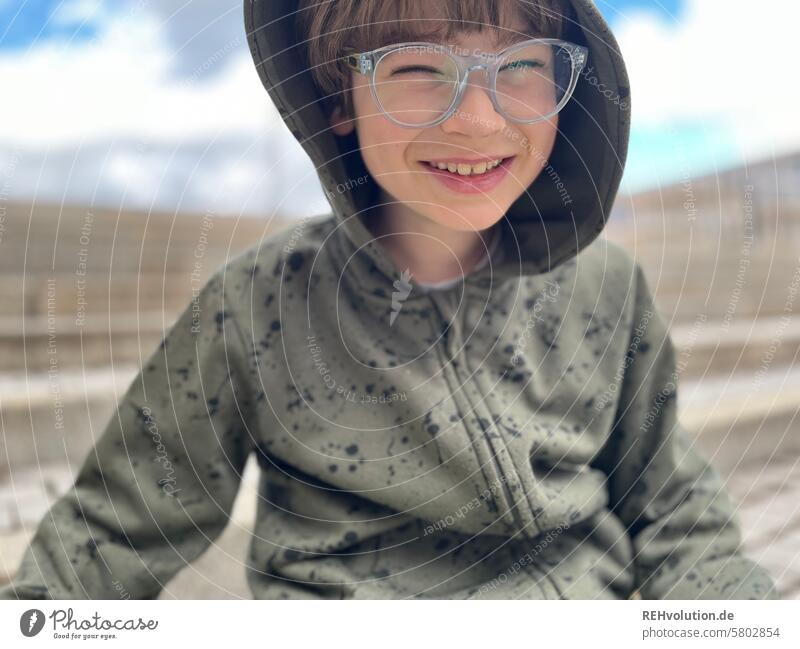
{"type": "Point", "coordinates": [464, 168]}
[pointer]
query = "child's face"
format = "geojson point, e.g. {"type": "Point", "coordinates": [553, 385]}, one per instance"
{"type": "Point", "coordinates": [399, 158]}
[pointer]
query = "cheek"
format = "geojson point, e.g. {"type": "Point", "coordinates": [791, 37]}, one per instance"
{"type": "Point", "coordinates": [379, 150]}
{"type": "Point", "coordinates": [541, 138]}
{"type": "Point", "coordinates": [383, 147]}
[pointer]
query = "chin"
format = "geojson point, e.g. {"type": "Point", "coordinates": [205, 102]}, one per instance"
{"type": "Point", "coordinates": [472, 220]}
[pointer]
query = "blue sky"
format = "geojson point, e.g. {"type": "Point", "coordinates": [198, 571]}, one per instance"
{"type": "Point", "coordinates": [110, 91]}
{"type": "Point", "coordinates": [27, 22]}
{"type": "Point", "coordinates": [30, 21]}
{"type": "Point", "coordinates": [666, 9]}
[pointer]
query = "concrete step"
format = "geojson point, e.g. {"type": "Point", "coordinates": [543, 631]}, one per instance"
{"type": "Point", "coordinates": [38, 294]}
{"type": "Point", "coordinates": [219, 573]}
{"type": "Point", "coordinates": [52, 239]}
{"type": "Point", "coordinates": [712, 404]}
{"type": "Point", "coordinates": [99, 342]}
{"type": "Point", "coordinates": [740, 347]}
{"type": "Point", "coordinates": [56, 419]}
{"type": "Point", "coordinates": [759, 459]}
{"type": "Point", "coordinates": [682, 309]}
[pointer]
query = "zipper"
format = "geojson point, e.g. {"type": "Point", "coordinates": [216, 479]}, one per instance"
{"type": "Point", "coordinates": [481, 444]}
{"type": "Point", "coordinates": [449, 359]}
{"type": "Point", "coordinates": [451, 341]}
{"type": "Point", "coordinates": [534, 568]}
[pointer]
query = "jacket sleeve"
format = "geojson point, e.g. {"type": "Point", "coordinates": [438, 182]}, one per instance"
{"type": "Point", "coordinates": [159, 484]}
{"type": "Point", "coordinates": [683, 527]}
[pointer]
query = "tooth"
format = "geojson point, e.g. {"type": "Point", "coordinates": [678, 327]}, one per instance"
{"type": "Point", "coordinates": [452, 167]}
{"type": "Point", "coordinates": [479, 168]}
{"type": "Point", "coordinates": [464, 169]}
{"type": "Point", "coordinates": [442, 165]}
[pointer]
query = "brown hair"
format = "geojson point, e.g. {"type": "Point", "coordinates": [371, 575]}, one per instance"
{"type": "Point", "coordinates": [331, 27]}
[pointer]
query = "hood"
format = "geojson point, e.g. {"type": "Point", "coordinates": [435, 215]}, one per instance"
{"type": "Point", "coordinates": [543, 228]}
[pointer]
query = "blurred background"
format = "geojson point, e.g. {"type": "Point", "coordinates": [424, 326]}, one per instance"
{"type": "Point", "coordinates": [135, 134]}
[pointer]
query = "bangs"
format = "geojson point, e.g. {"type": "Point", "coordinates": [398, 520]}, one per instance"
{"type": "Point", "coordinates": [376, 24]}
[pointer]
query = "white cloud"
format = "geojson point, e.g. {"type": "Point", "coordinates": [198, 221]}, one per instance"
{"type": "Point", "coordinates": [119, 85]}
{"type": "Point", "coordinates": [195, 29]}
{"type": "Point", "coordinates": [230, 176]}
{"type": "Point", "coordinates": [109, 120]}
{"type": "Point", "coordinates": [77, 11]}
{"type": "Point", "coordinates": [726, 63]}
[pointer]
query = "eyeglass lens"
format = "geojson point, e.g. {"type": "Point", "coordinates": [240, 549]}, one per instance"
{"type": "Point", "coordinates": [416, 85]}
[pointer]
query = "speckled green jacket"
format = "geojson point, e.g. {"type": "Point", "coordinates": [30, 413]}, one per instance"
{"type": "Point", "coordinates": [513, 436]}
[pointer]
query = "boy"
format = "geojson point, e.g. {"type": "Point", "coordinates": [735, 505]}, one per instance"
{"type": "Point", "coordinates": [454, 389]}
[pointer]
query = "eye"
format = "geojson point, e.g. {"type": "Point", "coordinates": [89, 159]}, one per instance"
{"type": "Point", "coordinates": [522, 64]}
{"type": "Point", "coordinates": [412, 69]}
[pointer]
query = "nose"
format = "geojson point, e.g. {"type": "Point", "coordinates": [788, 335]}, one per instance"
{"type": "Point", "coordinates": [475, 114]}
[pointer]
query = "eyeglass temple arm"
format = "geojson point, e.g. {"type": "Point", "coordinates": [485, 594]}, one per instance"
{"type": "Point", "coordinates": [580, 53]}
{"type": "Point", "coordinates": [361, 63]}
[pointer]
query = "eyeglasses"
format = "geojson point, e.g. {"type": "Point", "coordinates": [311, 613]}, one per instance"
{"type": "Point", "coordinates": [421, 84]}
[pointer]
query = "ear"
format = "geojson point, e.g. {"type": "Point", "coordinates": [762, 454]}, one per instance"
{"type": "Point", "coordinates": [341, 124]}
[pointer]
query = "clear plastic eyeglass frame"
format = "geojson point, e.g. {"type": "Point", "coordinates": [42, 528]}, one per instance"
{"type": "Point", "coordinates": [367, 62]}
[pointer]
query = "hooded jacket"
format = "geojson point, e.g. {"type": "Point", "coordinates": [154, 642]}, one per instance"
{"type": "Point", "coordinates": [511, 436]}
